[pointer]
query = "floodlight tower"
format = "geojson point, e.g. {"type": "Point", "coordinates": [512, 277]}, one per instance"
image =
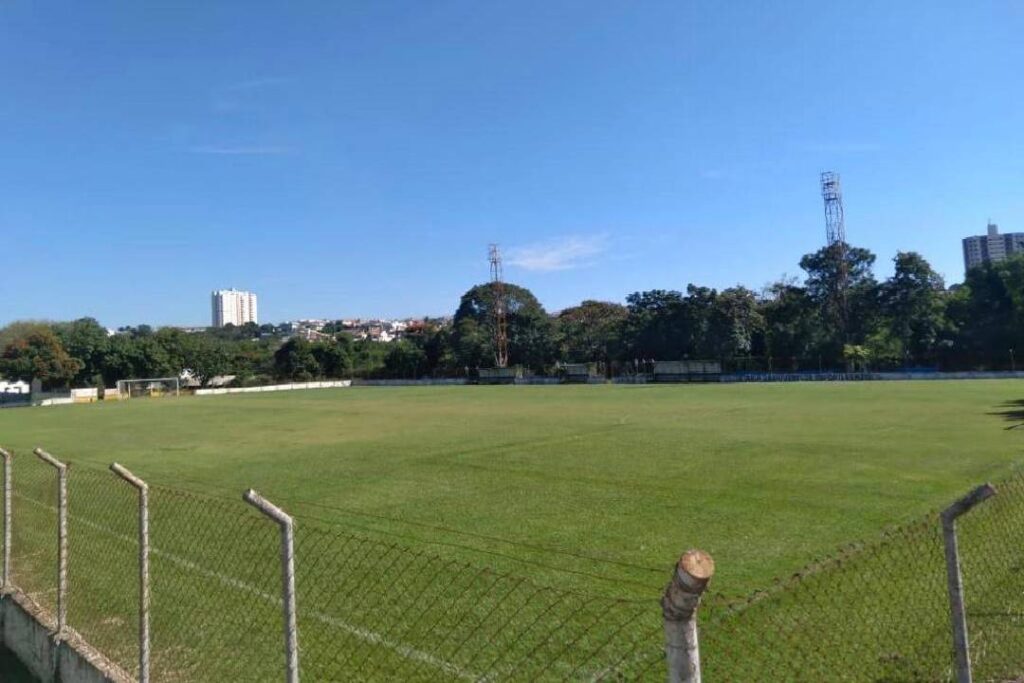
{"type": "Point", "coordinates": [835, 234]}
{"type": "Point", "coordinates": [832, 193]}
{"type": "Point", "coordinates": [500, 309]}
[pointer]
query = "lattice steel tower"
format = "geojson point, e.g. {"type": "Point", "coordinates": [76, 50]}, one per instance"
{"type": "Point", "coordinates": [835, 234]}
{"type": "Point", "coordinates": [500, 309]}
{"type": "Point", "coordinates": [832, 193]}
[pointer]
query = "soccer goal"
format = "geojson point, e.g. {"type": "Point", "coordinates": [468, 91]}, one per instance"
{"type": "Point", "coordinates": [150, 387]}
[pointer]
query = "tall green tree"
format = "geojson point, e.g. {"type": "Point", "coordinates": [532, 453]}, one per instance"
{"type": "Point", "coordinates": [913, 304]}
{"type": "Point", "coordinates": [735, 323]}
{"type": "Point", "coordinates": [698, 312]}
{"type": "Point", "coordinates": [295, 361]}
{"type": "Point", "coordinates": [989, 312]}
{"type": "Point", "coordinates": [368, 357]}
{"type": "Point", "coordinates": [792, 323]}
{"type": "Point", "coordinates": [334, 357]}
{"type": "Point", "coordinates": [529, 328]}
{"type": "Point", "coordinates": [823, 285]}
{"type": "Point", "coordinates": [39, 355]}
{"type": "Point", "coordinates": [87, 342]}
{"type": "Point", "coordinates": [655, 325]}
{"type": "Point", "coordinates": [591, 332]}
{"type": "Point", "coordinates": [703, 323]}
{"type": "Point", "coordinates": [129, 357]}
{"type": "Point", "coordinates": [20, 329]}
{"type": "Point", "coordinates": [207, 357]}
{"type": "Point", "coordinates": [405, 360]}
{"type": "Point", "coordinates": [435, 338]}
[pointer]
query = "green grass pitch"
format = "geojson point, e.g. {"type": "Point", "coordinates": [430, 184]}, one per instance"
{"type": "Point", "coordinates": [590, 487]}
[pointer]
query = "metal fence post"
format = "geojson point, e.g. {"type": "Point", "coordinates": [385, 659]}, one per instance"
{"type": "Point", "coordinates": [291, 631]}
{"type": "Point", "coordinates": [62, 537]}
{"type": "Point", "coordinates": [143, 489]}
{"type": "Point", "coordinates": [954, 578]}
{"type": "Point", "coordinates": [679, 607]}
{"type": "Point", "coordinates": [6, 586]}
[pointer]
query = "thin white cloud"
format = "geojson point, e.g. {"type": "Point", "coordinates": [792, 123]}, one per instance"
{"type": "Point", "coordinates": [258, 150]}
{"type": "Point", "coordinates": [566, 253]}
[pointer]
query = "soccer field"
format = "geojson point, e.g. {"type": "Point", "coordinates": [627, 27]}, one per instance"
{"type": "Point", "coordinates": [590, 487]}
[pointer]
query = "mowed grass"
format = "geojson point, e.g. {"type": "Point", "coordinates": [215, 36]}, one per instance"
{"type": "Point", "coordinates": [597, 488]}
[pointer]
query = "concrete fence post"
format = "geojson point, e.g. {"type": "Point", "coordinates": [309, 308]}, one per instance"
{"type": "Point", "coordinates": [291, 631]}
{"type": "Point", "coordinates": [143, 490]}
{"type": "Point", "coordinates": [6, 585]}
{"type": "Point", "coordinates": [62, 538]}
{"type": "Point", "coordinates": [954, 578]}
{"type": "Point", "coordinates": [679, 607]}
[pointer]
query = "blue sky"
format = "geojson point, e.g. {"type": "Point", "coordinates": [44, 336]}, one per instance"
{"type": "Point", "coordinates": [356, 158]}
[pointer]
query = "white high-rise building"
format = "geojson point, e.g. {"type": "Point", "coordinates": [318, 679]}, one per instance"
{"type": "Point", "coordinates": [991, 247]}
{"type": "Point", "coordinates": [233, 307]}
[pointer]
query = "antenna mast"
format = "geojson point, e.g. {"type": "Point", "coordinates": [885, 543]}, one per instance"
{"type": "Point", "coordinates": [500, 309]}
{"type": "Point", "coordinates": [835, 235]}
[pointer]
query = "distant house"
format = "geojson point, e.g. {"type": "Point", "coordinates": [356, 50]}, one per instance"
{"type": "Point", "coordinates": [309, 334]}
{"type": "Point", "coordinates": [375, 333]}
{"type": "Point", "coordinates": [14, 387]}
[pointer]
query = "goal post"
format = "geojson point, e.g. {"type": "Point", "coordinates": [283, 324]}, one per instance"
{"type": "Point", "coordinates": [150, 387]}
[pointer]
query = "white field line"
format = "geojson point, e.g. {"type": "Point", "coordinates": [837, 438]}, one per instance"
{"type": "Point", "coordinates": [367, 635]}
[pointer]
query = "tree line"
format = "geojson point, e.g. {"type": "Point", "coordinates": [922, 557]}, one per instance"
{"type": "Point", "coordinates": [910, 319]}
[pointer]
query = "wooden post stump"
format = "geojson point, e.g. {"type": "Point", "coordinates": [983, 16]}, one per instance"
{"type": "Point", "coordinates": [679, 607]}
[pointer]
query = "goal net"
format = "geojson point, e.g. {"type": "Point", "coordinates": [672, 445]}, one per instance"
{"type": "Point", "coordinates": [150, 387]}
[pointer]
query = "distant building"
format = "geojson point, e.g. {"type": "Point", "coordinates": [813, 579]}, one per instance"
{"type": "Point", "coordinates": [991, 248]}
{"type": "Point", "coordinates": [309, 334]}
{"type": "Point", "coordinates": [14, 387]}
{"type": "Point", "coordinates": [311, 323]}
{"type": "Point", "coordinates": [233, 307]}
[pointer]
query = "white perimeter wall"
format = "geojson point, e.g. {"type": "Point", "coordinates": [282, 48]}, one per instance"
{"type": "Point", "coordinates": [275, 387]}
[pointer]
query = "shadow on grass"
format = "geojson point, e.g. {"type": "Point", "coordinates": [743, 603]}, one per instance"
{"type": "Point", "coordinates": [1012, 411]}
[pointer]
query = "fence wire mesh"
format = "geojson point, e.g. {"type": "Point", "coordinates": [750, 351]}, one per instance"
{"type": "Point", "coordinates": [992, 556]}
{"type": "Point", "coordinates": [880, 611]}
{"type": "Point", "coordinates": [392, 613]}
{"type": "Point", "coordinates": [374, 610]}
{"type": "Point", "coordinates": [216, 603]}
{"type": "Point", "coordinates": [102, 565]}
{"type": "Point", "coordinates": [34, 535]}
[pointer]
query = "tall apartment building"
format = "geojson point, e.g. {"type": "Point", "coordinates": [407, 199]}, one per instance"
{"type": "Point", "coordinates": [233, 307]}
{"type": "Point", "coordinates": [992, 247]}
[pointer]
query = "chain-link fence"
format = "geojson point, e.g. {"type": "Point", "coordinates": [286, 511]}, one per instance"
{"type": "Point", "coordinates": [880, 611]}
{"type": "Point", "coordinates": [368, 609]}
{"type": "Point", "coordinates": [372, 610]}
